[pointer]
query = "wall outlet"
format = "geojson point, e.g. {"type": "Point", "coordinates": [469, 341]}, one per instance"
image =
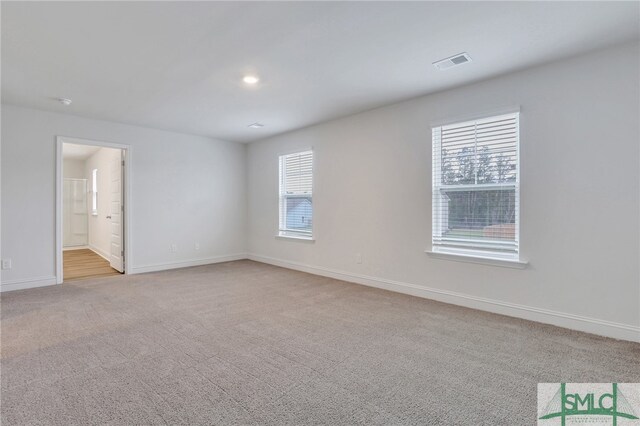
{"type": "Point", "coordinates": [6, 263]}
{"type": "Point", "coordinates": [358, 258]}
{"type": "Point", "coordinates": [196, 246]}
{"type": "Point", "coordinates": [174, 248]}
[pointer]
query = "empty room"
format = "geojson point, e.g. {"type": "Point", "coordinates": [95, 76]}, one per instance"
{"type": "Point", "coordinates": [327, 213]}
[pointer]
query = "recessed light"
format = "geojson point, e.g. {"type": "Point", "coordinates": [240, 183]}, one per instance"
{"type": "Point", "coordinates": [256, 125]}
{"type": "Point", "coordinates": [250, 79]}
{"type": "Point", "coordinates": [65, 101]}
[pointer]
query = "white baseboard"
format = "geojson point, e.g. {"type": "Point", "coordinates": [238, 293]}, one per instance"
{"type": "Point", "coordinates": [560, 319]}
{"type": "Point", "coordinates": [185, 263]}
{"type": "Point", "coordinates": [69, 248]}
{"type": "Point", "coordinates": [10, 285]}
{"type": "Point", "coordinates": [103, 254]}
{"type": "Point", "coordinates": [51, 280]}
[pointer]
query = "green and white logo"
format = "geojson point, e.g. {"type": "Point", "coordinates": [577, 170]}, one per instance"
{"type": "Point", "coordinates": [608, 404]}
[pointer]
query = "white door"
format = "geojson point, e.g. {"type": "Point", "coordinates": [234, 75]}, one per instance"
{"type": "Point", "coordinates": [117, 216]}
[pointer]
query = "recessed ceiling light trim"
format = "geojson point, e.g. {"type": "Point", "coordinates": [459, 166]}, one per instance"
{"type": "Point", "coordinates": [256, 125]}
{"type": "Point", "coordinates": [452, 61]}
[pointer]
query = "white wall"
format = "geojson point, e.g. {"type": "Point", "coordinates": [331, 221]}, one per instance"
{"type": "Point", "coordinates": [99, 225]}
{"type": "Point", "coordinates": [72, 168]}
{"type": "Point", "coordinates": [580, 196]}
{"type": "Point", "coordinates": [185, 189]}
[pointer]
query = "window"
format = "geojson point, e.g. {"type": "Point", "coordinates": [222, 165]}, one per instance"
{"type": "Point", "coordinates": [476, 188]}
{"type": "Point", "coordinates": [296, 198]}
{"type": "Point", "coordinates": [94, 192]}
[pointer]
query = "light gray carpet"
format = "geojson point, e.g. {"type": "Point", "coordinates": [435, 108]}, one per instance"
{"type": "Point", "coordinates": [248, 343]}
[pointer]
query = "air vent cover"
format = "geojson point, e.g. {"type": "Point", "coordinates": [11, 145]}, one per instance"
{"type": "Point", "coordinates": [459, 59]}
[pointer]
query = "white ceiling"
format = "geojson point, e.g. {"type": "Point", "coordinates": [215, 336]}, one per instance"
{"type": "Point", "coordinates": [178, 65]}
{"type": "Point", "coordinates": [71, 151]}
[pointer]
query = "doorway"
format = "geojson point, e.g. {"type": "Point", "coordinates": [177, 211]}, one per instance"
{"type": "Point", "coordinates": [91, 209]}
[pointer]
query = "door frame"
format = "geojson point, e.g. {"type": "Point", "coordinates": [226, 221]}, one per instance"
{"type": "Point", "coordinates": [127, 198]}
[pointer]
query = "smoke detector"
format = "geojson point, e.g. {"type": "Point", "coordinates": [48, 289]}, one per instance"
{"type": "Point", "coordinates": [455, 60]}
{"type": "Point", "coordinates": [256, 125]}
{"type": "Point", "coordinates": [65, 101]}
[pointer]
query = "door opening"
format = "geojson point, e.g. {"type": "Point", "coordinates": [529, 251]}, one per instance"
{"type": "Point", "coordinates": [91, 209]}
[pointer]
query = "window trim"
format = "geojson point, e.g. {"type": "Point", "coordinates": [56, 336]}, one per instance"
{"type": "Point", "coordinates": [288, 234]}
{"type": "Point", "coordinates": [474, 117]}
{"type": "Point", "coordinates": [94, 192]}
{"type": "Point", "coordinates": [457, 256]}
{"type": "Point", "coordinates": [476, 254]}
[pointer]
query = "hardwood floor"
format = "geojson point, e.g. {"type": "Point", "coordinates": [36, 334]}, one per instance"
{"type": "Point", "coordinates": [84, 263]}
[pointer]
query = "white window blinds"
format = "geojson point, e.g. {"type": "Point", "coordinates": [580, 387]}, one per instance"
{"type": "Point", "coordinates": [476, 187]}
{"type": "Point", "coordinates": [296, 194]}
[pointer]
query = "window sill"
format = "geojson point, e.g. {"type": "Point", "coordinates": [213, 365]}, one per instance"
{"type": "Point", "coordinates": [458, 257]}
{"type": "Point", "coordinates": [296, 238]}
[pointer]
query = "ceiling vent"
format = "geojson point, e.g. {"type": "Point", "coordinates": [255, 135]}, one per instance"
{"type": "Point", "coordinates": [459, 59]}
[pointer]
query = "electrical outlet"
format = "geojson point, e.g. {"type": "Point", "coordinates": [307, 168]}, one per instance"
{"type": "Point", "coordinates": [358, 258]}
{"type": "Point", "coordinates": [6, 263]}
{"type": "Point", "coordinates": [174, 248]}
{"type": "Point", "coordinates": [196, 246]}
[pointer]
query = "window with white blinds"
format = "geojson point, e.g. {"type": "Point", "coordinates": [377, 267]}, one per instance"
{"type": "Point", "coordinates": [296, 194]}
{"type": "Point", "coordinates": [476, 187]}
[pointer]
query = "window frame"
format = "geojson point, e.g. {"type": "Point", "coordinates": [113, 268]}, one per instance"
{"type": "Point", "coordinates": [94, 192]}
{"type": "Point", "coordinates": [465, 249]}
{"type": "Point", "coordinates": [283, 231]}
